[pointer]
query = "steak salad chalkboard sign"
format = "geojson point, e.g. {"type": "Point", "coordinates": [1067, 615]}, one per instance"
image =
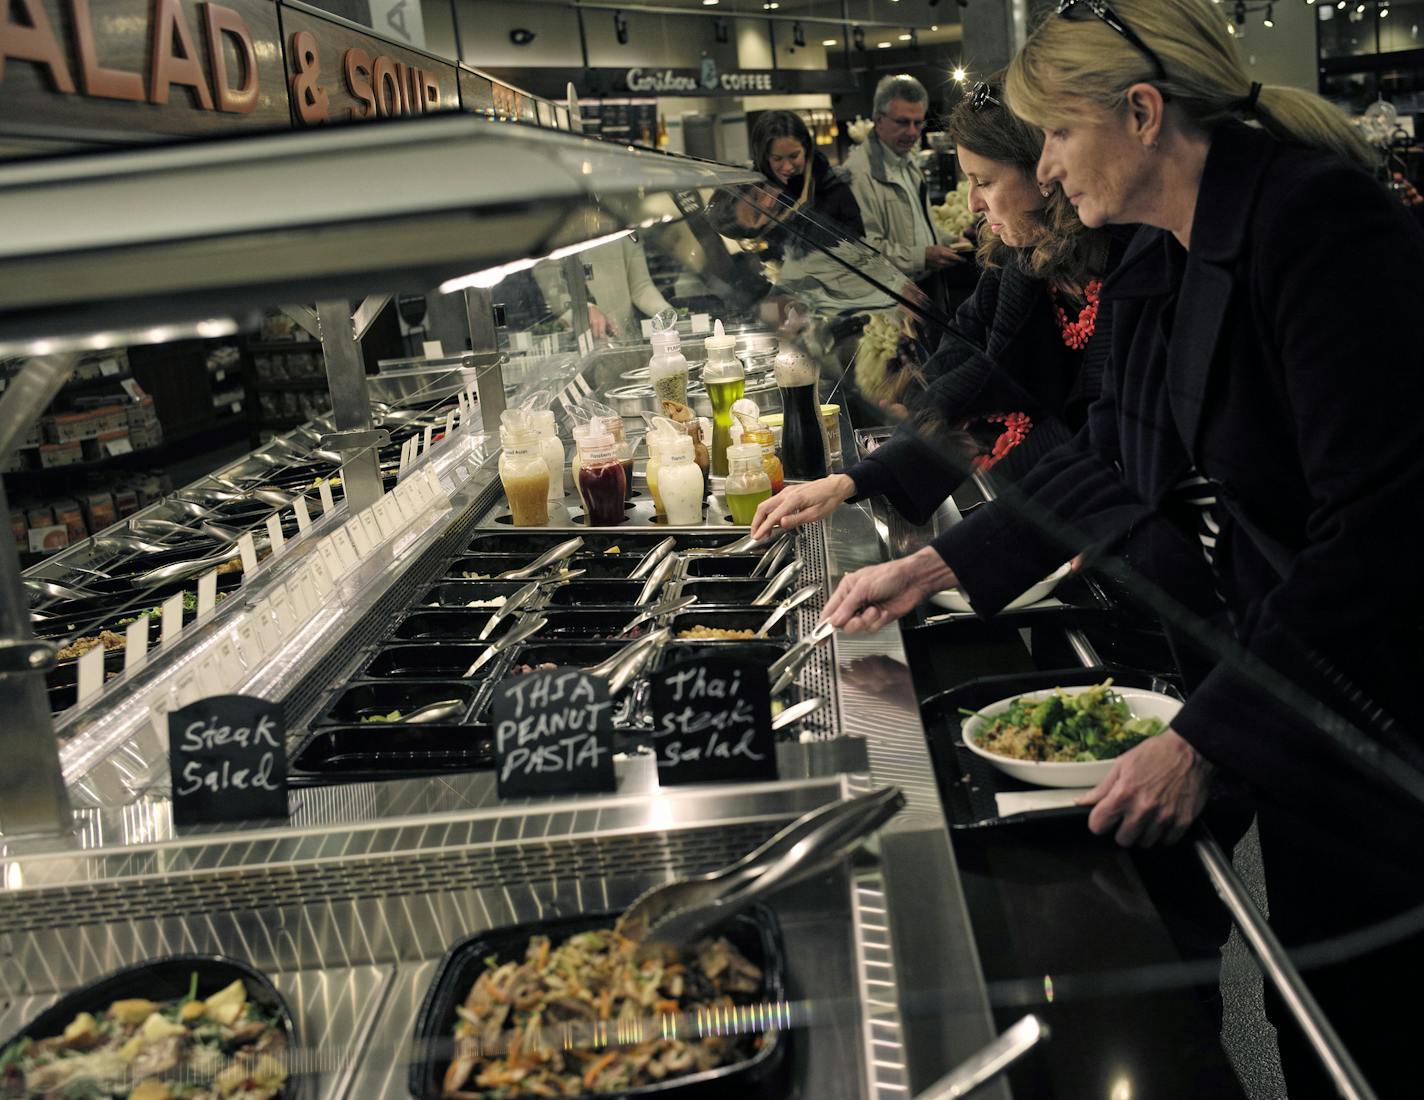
{"type": "Point", "coordinates": [553, 733]}
{"type": "Point", "coordinates": [228, 761]}
{"type": "Point", "coordinates": [712, 720]}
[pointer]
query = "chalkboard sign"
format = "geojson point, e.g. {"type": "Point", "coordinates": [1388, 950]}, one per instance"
{"type": "Point", "coordinates": [553, 733]}
{"type": "Point", "coordinates": [228, 761]}
{"type": "Point", "coordinates": [712, 722]}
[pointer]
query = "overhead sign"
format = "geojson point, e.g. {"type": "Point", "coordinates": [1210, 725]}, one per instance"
{"type": "Point", "coordinates": [335, 73]}
{"type": "Point", "coordinates": [134, 67]}
{"type": "Point", "coordinates": [708, 80]}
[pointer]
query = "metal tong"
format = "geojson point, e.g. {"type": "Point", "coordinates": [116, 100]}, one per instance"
{"type": "Point", "coordinates": [778, 584]}
{"type": "Point", "coordinates": [544, 560]}
{"type": "Point", "coordinates": [775, 557]}
{"type": "Point", "coordinates": [797, 711]}
{"type": "Point", "coordinates": [622, 666]}
{"type": "Point", "coordinates": [512, 604]}
{"type": "Point", "coordinates": [679, 912]}
{"type": "Point", "coordinates": [744, 545]}
{"type": "Point", "coordinates": [669, 607]}
{"type": "Point", "coordinates": [656, 579]}
{"type": "Point", "coordinates": [783, 670]}
{"type": "Point", "coordinates": [989, 1061]}
{"type": "Point", "coordinates": [525, 628]}
{"type": "Point", "coordinates": [652, 558]}
{"type": "Point", "coordinates": [786, 606]}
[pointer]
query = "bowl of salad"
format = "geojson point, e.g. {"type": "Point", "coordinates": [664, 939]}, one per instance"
{"type": "Point", "coordinates": [1066, 737]}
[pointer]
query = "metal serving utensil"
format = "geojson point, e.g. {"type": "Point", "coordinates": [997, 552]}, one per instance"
{"type": "Point", "coordinates": [778, 584]}
{"type": "Point", "coordinates": [775, 557]}
{"type": "Point", "coordinates": [669, 607]}
{"type": "Point", "coordinates": [989, 1061]}
{"type": "Point", "coordinates": [526, 627]}
{"type": "Point", "coordinates": [219, 531]}
{"type": "Point", "coordinates": [433, 712]}
{"type": "Point", "coordinates": [656, 579]}
{"type": "Point", "coordinates": [622, 666]}
{"type": "Point", "coordinates": [180, 569]}
{"type": "Point", "coordinates": [133, 542]}
{"type": "Point", "coordinates": [797, 711]}
{"type": "Point", "coordinates": [679, 912]}
{"type": "Point", "coordinates": [157, 527]}
{"type": "Point", "coordinates": [516, 601]}
{"type": "Point", "coordinates": [786, 606]}
{"type": "Point", "coordinates": [783, 670]}
{"type": "Point", "coordinates": [744, 545]}
{"type": "Point", "coordinates": [549, 557]}
{"type": "Point", "coordinates": [58, 591]}
{"type": "Point", "coordinates": [652, 557]}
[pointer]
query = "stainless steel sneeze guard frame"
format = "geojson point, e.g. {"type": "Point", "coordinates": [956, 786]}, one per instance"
{"type": "Point", "coordinates": [350, 908]}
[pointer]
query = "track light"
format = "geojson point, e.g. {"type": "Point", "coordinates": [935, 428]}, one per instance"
{"type": "Point", "coordinates": [719, 30]}
{"type": "Point", "coordinates": [1270, 20]}
{"type": "Point", "coordinates": [798, 36]}
{"type": "Point", "coordinates": [857, 37]}
{"type": "Point", "coordinates": [620, 28]}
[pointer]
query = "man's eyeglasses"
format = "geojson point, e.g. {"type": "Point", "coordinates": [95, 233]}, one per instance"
{"type": "Point", "coordinates": [906, 123]}
{"type": "Point", "coordinates": [981, 96]}
{"type": "Point", "coordinates": [1113, 20]}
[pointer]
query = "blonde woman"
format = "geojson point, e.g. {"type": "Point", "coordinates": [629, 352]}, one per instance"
{"type": "Point", "coordinates": [1260, 357]}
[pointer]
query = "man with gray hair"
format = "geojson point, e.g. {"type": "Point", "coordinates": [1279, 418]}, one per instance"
{"type": "Point", "coordinates": [889, 185]}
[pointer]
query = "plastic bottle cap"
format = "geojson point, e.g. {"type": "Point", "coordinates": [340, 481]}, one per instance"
{"type": "Point", "coordinates": [517, 435]}
{"type": "Point", "coordinates": [751, 452]}
{"type": "Point", "coordinates": [596, 440]}
{"type": "Point", "coordinates": [542, 420]}
{"type": "Point", "coordinates": [667, 340]}
{"type": "Point", "coordinates": [719, 340]}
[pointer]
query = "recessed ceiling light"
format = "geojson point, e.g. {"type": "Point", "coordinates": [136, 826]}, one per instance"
{"type": "Point", "coordinates": [828, 41]}
{"type": "Point", "coordinates": [882, 45]}
{"type": "Point", "coordinates": [934, 26]}
{"type": "Point", "coordinates": [904, 38]}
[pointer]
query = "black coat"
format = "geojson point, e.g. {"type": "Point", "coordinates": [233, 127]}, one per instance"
{"type": "Point", "coordinates": [1024, 367]}
{"type": "Point", "coordinates": [835, 213]}
{"type": "Point", "coordinates": [1293, 382]}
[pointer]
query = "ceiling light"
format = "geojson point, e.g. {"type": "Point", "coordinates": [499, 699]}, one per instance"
{"type": "Point", "coordinates": [882, 45]}
{"type": "Point", "coordinates": [828, 41]}
{"type": "Point", "coordinates": [1231, 28]}
{"type": "Point", "coordinates": [1269, 21]}
{"type": "Point", "coordinates": [710, 3]}
{"type": "Point", "coordinates": [904, 38]}
{"type": "Point", "coordinates": [934, 26]}
{"type": "Point", "coordinates": [959, 74]}
{"type": "Point", "coordinates": [1384, 11]}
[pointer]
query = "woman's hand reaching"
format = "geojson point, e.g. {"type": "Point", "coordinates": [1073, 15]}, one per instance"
{"type": "Point", "coordinates": [798, 504]}
{"type": "Point", "coordinates": [870, 599]}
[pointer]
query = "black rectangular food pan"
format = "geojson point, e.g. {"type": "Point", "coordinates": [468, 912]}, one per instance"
{"type": "Point", "coordinates": [338, 754]}
{"type": "Point", "coordinates": [725, 593]}
{"type": "Point", "coordinates": [487, 566]}
{"type": "Point", "coordinates": [531, 545]}
{"type": "Point", "coordinates": [762, 652]}
{"type": "Point", "coordinates": [360, 702]}
{"type": "Point", "coordinates": [739, 619]}
{"type": "Point", "coordinates": [572, 654]}
{"type": "Point", "coordinates": [460, 594]}
{"type": "Point", "coordinates": [62, 681]}
{"type": "Point", "coordinates": [759, 1075]}
{"type": "Point", "coordinates": [446, 625]}
{"type": "Point", "coordinates": [722, 565]}
{"type": "Point", "coordinates": [591, 626]}
{"type": "Point", "coordinates": [605, 567]}
{"type": "Point", "coordinates": [582, 593]}
{"type": "Point", "coordinates": [163, 979]}
{"type": "Point", "coordinates": [418, 661]}
{"type": "Point", "coordinates": [967, 782]}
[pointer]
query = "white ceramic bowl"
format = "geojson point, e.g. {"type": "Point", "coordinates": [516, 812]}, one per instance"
{"type": "Point", "coordinates": [953, 599]}
{"type": "Point", "coordinates": [1143, 704]}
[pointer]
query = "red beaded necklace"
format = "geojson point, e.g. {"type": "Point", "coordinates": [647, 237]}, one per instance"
{"type": "Point", "coordinates": [1017, 425]}
{"type": "Point", "coordinates": [1076, 333]}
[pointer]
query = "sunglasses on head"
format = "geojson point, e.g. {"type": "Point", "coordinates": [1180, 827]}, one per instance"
{"type": "Point", "coordinates": [1101, 9]}
{"type": "Point", "coordinates": [981, 96]}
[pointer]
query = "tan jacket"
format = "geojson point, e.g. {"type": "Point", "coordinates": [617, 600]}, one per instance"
{"type": "Point", "coordinates": [888, 209]}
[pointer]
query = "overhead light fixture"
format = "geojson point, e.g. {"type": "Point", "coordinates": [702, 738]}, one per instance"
{"type": "Point", "coordinates": [904, 38]}
{"type": "Point", "coordinates": [828, 41]}
{"type": "Point", "coordinates": [882, 45]}
{"type": "Point", "coordinates": [798, 36]}
{"type": "Point", "coordinates": [1384, 10]}
{"type": "Point", "coordinates": [857, 37]}
{"type": "Point", "coordinates": [620, 28]}
{"type": "Point", "coordinates": [959, 74]}
{"type": "Point", "coordinates": [934, 26]}
{"type": "Point", "coordinates": [1231, 28]}
{"type": "Point", "coordinates": [1269, 20]}
{"type": "Point", "coordinates": [710, 3]}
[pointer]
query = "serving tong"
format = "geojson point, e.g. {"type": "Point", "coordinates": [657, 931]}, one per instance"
{"type": "Point", "coordinates": [677, 913]}
{"type": "Point", "coordinates": [775, 557]}
{"type": "Point", "coordinates": [621, 667]}
{"type": "Point", "coordinates": [783, 670]}
{"type": "Point", "coordinates": [786, 606]}
{"type": "Point", "coordinates": [525, 628]}
{"type": "Point", "coordinates": [668, 607]}
{"type": "Point", "coordinates": [433, 712]}
{"type": "Point", "coordinates": [797, 711]}
{"type": "Point", "coordinates": [549, 557]}
{"type": "Point", "coordinates": [656, 579]}
{"type": "Point", "coordinates": [777, 584]}
{"type": "Point", "coordinates": [58, 591]}
{"type": "Point", "coordinates": [744, 545]}
{"type": "Point", "coordinates": [651, 559]}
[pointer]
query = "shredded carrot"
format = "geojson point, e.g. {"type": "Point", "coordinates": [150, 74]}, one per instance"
{"type": "Point", "coordinates": [591, 1075]}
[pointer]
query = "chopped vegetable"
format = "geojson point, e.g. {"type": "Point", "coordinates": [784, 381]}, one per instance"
{"type": "Point", "coordinates": [394, 716]}
{"type": "Point", "coordinates": [716, 633]}
{"type": "Point", "coordinates": [1063, 728]}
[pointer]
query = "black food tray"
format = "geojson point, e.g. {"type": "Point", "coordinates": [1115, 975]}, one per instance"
{"type": "Point", "coordinates": [723, 565]}
{"type": "Point", "coordinates": [449, 625]}
{"type": "Point", "coordinates": [357, 700]}
{"type": "Point", "coordinates": [340, 754]}
{"type": "Point", "coordinates": [166, 979]}
{"type": "Point", "coordinates": [731, 619]}
{"type": "Point", "coordinates": [459, 594]}
{"type": "Point", "coordinates": [765, 652]}
{"type": "Point", "coordinates": [587, 626]}
{"type": "Point", "coordinates": [582, 593]}
{"type": "Point", "coordinates": [1080, 598]}
{"type": "Point", "coordinates": [968, 782]}
{"type": "Point", "coordinates": [426, 661]}
{"type": "Point", "coordinates": [726, 593]}
{"type": "Point", "coordinates": [755, 933]}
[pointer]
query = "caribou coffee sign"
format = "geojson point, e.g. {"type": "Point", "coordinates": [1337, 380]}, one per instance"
{"type": "Point", "coordinates": [705, 81]}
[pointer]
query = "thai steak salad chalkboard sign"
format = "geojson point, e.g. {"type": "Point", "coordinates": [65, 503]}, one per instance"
{"type": "Point", "coordinates": [553, 733]}
{"type": "Point", "coordinates": [712, 717]}
{"type": "Point", "coordinates": [228, 760]}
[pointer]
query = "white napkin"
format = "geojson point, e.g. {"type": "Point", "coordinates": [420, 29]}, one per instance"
{"type": "Point", "coordinates": [1049, 798]}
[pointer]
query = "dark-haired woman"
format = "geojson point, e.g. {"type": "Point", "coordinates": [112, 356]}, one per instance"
{"type": "Point", "coordinates": [784, 153]}
{"type": "Point", "coordinates": [1034, 313]}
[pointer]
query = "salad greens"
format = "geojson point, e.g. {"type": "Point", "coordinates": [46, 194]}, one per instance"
{"type": "Point", "coordinates": [1093, 724]}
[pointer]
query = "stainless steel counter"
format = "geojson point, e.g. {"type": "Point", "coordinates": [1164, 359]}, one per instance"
{"type": "Point", "coordinates": [351, 906]}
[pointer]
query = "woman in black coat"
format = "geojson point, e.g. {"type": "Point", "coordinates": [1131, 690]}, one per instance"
{"type": "Point", "coordinates": [783, 152]}
{"type": "Point", "coordinates": [1017, 379]}
{"type": "Point", "coordinates": [1259, 405]}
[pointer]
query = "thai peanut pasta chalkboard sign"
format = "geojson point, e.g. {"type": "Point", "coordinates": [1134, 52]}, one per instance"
{"type": "Point", "coordinates": [553, 733]}
{"type": "Point", "coordinates": [228, 760]}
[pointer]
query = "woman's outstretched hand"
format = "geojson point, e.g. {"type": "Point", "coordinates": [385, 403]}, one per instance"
{"type": "Point", "coordinates": [798, 504]}
{"type": "Point", "coordinates": [869, 599]}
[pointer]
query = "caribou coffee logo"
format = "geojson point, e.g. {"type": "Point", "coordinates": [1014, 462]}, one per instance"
{"type": "Point", "coordinates": [709, 73]}
{"type": "Point", "coordinates": [707, 79]}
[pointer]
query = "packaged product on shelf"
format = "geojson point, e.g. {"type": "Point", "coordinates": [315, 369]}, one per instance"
{"type": "Point", "coordinates": [109, 443]}
{"type": "Point", "coordinates": [125, 500]}
{"type": "Point", "coordinates": [149, 489]}
{"type": "Point", "coordinates": [61, 454]}
{"type": "Point", "coordinates": [98, 509]}
{"type": "Point", "coordinates": [46, 540]}
{"type": "Point", "coordinates": [141, 414]}
{"type": "Point", "coordinates": [69, 427]}
{"type": "Point", "coordinates": [33, 437]}
{"type": "Point", "coordinates": [148, 436]}
{"type": "Point", "coordinates": [68, 514]}
{"type": "Point", "coordinates": [19, 529]}
{"type": "Point", "coordinates": [39, 515]}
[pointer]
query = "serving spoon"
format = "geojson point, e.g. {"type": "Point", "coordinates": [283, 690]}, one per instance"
{"type": "Point", "coordinates": [786, 606]}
